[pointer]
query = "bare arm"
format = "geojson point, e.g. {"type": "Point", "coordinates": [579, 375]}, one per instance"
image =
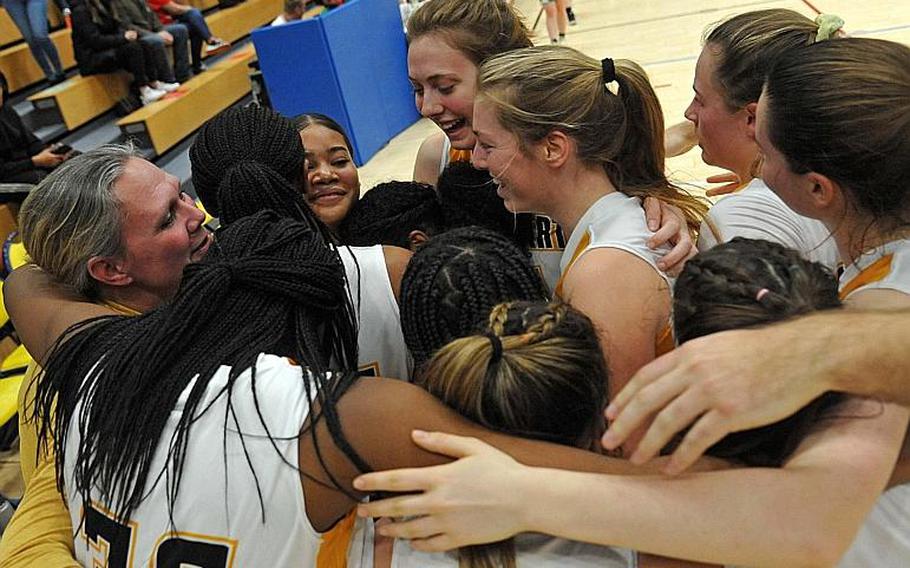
{"type": "Point", "coordinates": [42, 309]}
{"type": "Point", "coordinates": [628, 302]}
{"type": "Point", "coordinates": [396, 261]}
{"type": "Point", "coordinates": [429, 156]}
{"type": "Point", "coordinates": [377, 417]}
{"type": "Point", "coordinates": [805, 513]}
{"type": "Point", "coordinates": [680, 138]}
{"type": "Point", "coordinates": [723, 383]}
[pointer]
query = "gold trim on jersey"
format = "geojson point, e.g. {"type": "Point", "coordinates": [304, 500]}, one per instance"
{"type": "Point", "coordinates": [875, 272]}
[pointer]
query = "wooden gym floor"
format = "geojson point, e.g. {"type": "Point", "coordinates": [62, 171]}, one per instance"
{"type": "Point", "coordinates": [664, 36]}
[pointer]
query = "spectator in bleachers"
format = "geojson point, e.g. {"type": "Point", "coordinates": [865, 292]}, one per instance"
{"type": "Point", "coordinates": [137, 16]}
{"type": "Point", "coordinates": [293, 10]}
{"type": "Point", "coordinates": [102, 45]}
{"type": "Point", "coordinates": [168, 11]}
{"type": "Point", "coordinates": [30, 16]}
{"type": "Point", "coordinates": [23, 157]}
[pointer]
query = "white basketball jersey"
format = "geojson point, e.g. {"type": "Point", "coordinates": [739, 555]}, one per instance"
{"type": "Point", "coordinates": [887, 267]}
{"type": "Point", "coordinates": [218, 518]}
{"type": "Point", "coordinates": [380, 341]}
{"type": "Point", "coordinates": [884, 539]}
{"type": "Point", "coordinates": [756, 212]}
{"type": "Point", "coordinates": [614, 221]}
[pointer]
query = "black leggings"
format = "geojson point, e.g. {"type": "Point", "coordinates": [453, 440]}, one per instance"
{"type": "Point", "coordinates": [144, 61]}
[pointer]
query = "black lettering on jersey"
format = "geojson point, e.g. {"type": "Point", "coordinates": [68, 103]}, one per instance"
{"type": "Point", "coordinates": [111, 539]}
{"type": "Point", "coordinates": [177, 552]}
{"type": "Point", "coordinates": [548, 234]}
{"type": "Point", "coordinates": [369, 370]}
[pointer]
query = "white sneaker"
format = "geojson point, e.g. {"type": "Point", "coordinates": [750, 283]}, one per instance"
{"type": "Point", "coordinates": [217, 47]}
{"type": "Point", "coordinates": [166, 87]}
{"type": "Point", "coordinates": [149, 95]}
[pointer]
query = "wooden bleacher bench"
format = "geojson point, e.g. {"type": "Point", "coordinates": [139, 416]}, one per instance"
{"type": "Point", "coordinates": [203, 5]}
{"type": "Point", "coordinates": [231, 24]}
{"type": "Point", "coordinates": [80, 99]}
{"type": "Point", "coordinates": [10, 34]}
{"type": "Point", "coordinates": [165, 123]}
{"type": "Point", "coordinates": [20, 68]}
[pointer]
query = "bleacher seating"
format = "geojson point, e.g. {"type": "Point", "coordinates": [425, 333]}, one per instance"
{"type": "Point", "coordinates": [20, 68]}
{"type": "Point", "coordinates": [203, 5]}
{"type": "Point", "coordinates": [231, 24]}
{"type": "Point", "coordinates": [10, 34]}
{"type": "Point", "coordinates": [164, 123]}
{"type": "Point", "coordinates": [80, 99]}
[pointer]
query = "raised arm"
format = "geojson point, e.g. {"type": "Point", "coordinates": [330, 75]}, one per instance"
{"type": "Point", "coordinates": [41, 309]}
{"type": "Point", "coordinates": [377, 417]}
{"type": "Point", "coordinates": [429, 157]}
{"type": "Point", "coordinates": [804, 514]}
{"type": "Point", "coordinates": [724, 383]}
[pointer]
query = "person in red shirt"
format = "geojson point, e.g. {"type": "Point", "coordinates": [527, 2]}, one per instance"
{"type": "Point", "coordinates": [169, 11]}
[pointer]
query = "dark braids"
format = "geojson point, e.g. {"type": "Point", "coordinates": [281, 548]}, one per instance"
{"type": "Point", "coordinates": [747, 283]}
{"type": "Point", "coordinates": [269, 285]}
{"type": "Point", "coordinates": [453, 282]}
{"type": "Point", "coordinates": [244, 133]}
{"type": "Point", "coordinates": [468, 197]}
{"type": "Point", "coordinates": [388, 213]}
{"type": "Point", "coordinates": [718, 289]}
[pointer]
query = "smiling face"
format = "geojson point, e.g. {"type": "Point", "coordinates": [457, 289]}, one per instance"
{"type": "Point", "coordinates": [723, 135]}
{"type": "Point", "coordinates": [444, 82]}
{"type": "Point", "coordinates": [333, 185]}
{"type": "Point", "coordinates": [499, 151]}
{"type": "Point", "coordinates": [162, 228]}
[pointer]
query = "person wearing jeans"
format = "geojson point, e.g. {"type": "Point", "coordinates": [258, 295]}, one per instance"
{"type": "Point", "coordinates": [30, 16]}
{"type": "Point", "coordinates": [169, 11]}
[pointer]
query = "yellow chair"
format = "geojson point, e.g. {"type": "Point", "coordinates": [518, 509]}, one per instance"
{"type": "Point", "coordinates": [12, 371]}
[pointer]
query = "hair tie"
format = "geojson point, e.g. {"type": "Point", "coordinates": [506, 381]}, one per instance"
{"type": "Point", "coordinates": [609, 70]}
{"type": "Point", "coordinates": [828, 26]}
{"type": "Point", "coordinates": [761, 294]}
{"type": "Point", "coordinates": [495, 346]}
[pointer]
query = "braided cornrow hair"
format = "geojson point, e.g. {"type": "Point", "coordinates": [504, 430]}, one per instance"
{"type": "Point", "coordinates": [388, 213]}
{"type": "Point", "coordinates": [244, 133]}
{"type": "Point", "coordinates": [468, 197]}
{"type": "Point", "coordinates": [269, 285]}
{"type": "Point", "coordinates": [251, 182]}
{"type": "Point", "coordinates": [454, 280]}
{"type": "Point", "coordinates": [537, 371]}
{"type": "Point", "coordinates": [747, 283]}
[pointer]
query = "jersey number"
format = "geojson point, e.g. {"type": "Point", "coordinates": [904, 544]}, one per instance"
{"type": "Point", "coordinates": [115, 541]}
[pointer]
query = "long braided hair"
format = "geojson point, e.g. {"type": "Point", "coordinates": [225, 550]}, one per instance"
{"type": "Point", "coordinates": [748, 283]}
{"type": "Point", "coordinates": [240, 136]}
{"type": "Point", "coordinates": [453, 282]}
{"type": "Point", "coordinates": [268, 285]}
{"type": "Point", "coordinates": [468, 197]}
{"type": "Point", "coordinates": [538, 372]}
{"type": "Point", "coordinates": [236, 181]}
{"type": "Point", "coordinates": [389, 212]}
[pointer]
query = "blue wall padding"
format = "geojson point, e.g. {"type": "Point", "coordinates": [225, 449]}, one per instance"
{"type": "Point", "coordinates": [349, 63]}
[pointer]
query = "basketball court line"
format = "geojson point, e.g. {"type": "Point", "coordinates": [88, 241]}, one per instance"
{"type": "Point", "coordinates": [674, 16]}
